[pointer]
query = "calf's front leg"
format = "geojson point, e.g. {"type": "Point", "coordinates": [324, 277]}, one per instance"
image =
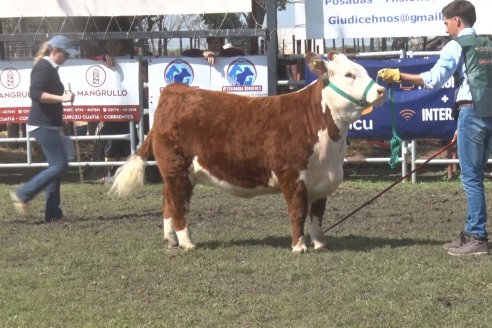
{"type": "Point", "coordinates": [295, 194]}
{"type": "Point", "coordinates": [316, 231]}
{"type": "Point", "coordinates": [177, 194]}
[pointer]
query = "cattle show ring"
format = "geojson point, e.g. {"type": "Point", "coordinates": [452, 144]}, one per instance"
{"type": "Point", "coordinates": [282, 184]}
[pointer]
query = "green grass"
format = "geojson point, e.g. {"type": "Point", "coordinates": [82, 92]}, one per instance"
{"type": "Point", "coordinates": [106, 265]}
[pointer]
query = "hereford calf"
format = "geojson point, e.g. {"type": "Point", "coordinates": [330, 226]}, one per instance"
{"type": "Point", "coordinates": [248, 146]}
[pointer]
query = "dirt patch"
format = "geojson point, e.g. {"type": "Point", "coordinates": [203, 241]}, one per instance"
{"type": "Point", "coordinates": [17, 153]}
{"type": "Point", "coordinates": [362, 148]}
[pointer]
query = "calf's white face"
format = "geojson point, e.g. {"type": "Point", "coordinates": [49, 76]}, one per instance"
{"type": "Point", "coordinates": [349, 90]}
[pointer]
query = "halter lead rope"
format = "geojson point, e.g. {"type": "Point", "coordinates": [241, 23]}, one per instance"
{"type": "Point", "coordinates": [395, 142]}
{"type": "Point", "coordinates": [391, 186]}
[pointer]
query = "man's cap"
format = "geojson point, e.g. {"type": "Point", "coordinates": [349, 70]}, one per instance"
{"type": "Point", "coordinates": [64, 43]}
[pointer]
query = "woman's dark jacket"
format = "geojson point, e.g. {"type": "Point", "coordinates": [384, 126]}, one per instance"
{"type": "Point", "coordinates": [45, 78]}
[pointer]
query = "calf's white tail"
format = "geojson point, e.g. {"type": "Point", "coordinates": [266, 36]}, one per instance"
{"type": "Point", "coordinates": [129, 177]}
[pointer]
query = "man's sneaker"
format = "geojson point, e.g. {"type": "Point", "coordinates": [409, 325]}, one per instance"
{"type": "Point", "coordinates": [458, 242]}
{"type": "Point", "coordinates": [472, 247]}
{"type": "Point", "coordinates": [20, 207]}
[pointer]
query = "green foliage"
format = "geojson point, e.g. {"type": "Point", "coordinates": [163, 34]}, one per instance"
{"type": "Point", "coordinates": [106, 265]}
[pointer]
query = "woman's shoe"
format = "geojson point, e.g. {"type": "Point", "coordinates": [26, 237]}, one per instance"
{"type": "Point", "coordinates": [20, 207]}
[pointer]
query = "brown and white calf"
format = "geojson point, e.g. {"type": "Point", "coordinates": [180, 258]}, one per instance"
{"type": "Point", "coordinates": [293, 143]}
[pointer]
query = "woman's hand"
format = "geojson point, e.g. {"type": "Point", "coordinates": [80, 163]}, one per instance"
{"type": "Point", "coordinates": [68, 97]}
{"type": "Point", "coordinates": [49, 98]}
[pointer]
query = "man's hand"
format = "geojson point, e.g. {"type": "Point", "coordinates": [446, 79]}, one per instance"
{"type": "Point", "coordinates": [389, 75]}
{"type": "Point", "coordinates": [110, 62]}
{"type": "Point", "coordinates": [210, 56]}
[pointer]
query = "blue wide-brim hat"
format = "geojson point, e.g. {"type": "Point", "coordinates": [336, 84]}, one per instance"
{"type": "Point", "coordinates": [64, 43]}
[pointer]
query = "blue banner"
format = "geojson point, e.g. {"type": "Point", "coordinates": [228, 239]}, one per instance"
{"type": "Point", "coordinates": [418, 113]}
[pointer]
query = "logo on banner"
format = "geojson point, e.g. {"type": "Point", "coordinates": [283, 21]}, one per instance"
{"type": "Point", "coordinates": [95, 76]}
{"type": "Point", "coordinates": [179, 71]}
{"type": "Point", "coordinates": [10, 78]}
{"type": "Point", "coordinates": [241, 75]}
{"type": "Point", "coordinates": [407, 114]}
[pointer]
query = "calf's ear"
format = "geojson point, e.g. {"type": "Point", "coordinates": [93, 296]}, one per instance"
{"type": "Point", "coordinates": [315, 63]}
{"type": "Point", "coordinates": [333, 54]}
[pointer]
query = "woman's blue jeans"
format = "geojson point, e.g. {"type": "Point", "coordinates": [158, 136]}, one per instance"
{"type": "Point", "coordinates": [51, 141]}
{"type": "Point", "coordinates": [474, 148]}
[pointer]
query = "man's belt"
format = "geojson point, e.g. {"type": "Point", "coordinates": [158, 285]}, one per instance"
{"type": "Point", "coordinates": [463, 103]}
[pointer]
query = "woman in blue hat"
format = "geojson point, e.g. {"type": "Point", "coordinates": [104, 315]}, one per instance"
{"type": "Point", "coordinates": [45, 124]}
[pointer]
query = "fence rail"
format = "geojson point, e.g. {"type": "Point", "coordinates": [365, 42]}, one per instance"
{"type": "Point", "coordinates": [408, 153]}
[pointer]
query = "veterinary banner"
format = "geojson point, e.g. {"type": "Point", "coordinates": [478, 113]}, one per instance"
{"type": "Point", "coordinates": [331, 19]}
{"type": "Point", "coordinates": [416, 113]}
{"type": "Point", "coordinates": [240, 75]}
{"type": "Point", "coordinates": [101, 94]}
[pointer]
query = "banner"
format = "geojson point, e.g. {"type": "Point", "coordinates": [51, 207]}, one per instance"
{"type": "Point", "coordinates": [331, 19]}
{"type": "Point", "coordinates": [101, 94]}
{"type": "Point", "coordinates": [240, 75]}
{"type": "Point", "coordinates": [417, 113]}
{"type": "Point", "coordinates": [14, 91]}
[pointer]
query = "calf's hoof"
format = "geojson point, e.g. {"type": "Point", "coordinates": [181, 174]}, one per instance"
{"type": "Point", "coordinates": [320, 247]}
{"type": "Point", "coordinates": [171, 241]}
{"type": "Point", "coordinates": [188, 247]}
{"type": "Point", "coordinates": [300, 248]}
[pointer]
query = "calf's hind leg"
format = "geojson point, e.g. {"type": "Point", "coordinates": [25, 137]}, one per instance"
{"type": "Point", "coordinates": [168, 226]}
{"type": "Point", "coordinates": [177, 194]}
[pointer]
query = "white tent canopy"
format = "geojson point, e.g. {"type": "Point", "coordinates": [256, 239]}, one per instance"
{"type": "Point", "coordinates": [61, 8]}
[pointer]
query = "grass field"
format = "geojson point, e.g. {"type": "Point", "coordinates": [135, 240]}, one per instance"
{"type": "Point", "coordinates": [106, 265]}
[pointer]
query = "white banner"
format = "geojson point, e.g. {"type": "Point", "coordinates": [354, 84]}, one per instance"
{"type": "Point", "coordinates": [15, 103]}
{"type": "Point", "coordinates": [95, 84]}
{"type": "Point", "coordinates": [332, 19]}
{"type": "Point", "coordinates": [61, 8]}
{"type": "Point", "coordinates": [101, 94]}
{"type": "Point", "coordinates": [240, 75]}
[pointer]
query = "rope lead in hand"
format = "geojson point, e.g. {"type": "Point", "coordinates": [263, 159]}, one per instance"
{"type": "Point", "coordinates": [395, 142]}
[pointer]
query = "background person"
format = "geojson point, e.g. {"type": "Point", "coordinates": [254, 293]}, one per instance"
{"type": "Point", "coordinates": [114, 150]}
{"type": "Point", "coordinates": [112, 48]}
{"type": "Point", "coordinates": [215, 48]}
{"type": "Point", "coordinates": [45, 124]}
{"type": "Point", "coordinates": [474, 132]}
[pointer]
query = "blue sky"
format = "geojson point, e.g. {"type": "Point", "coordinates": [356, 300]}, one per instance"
{"type": "Point", "coordinates": [285, 18]}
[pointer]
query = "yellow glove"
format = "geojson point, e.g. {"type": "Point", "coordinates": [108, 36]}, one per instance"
{"type": "Point", "coordinates": [389, 75]}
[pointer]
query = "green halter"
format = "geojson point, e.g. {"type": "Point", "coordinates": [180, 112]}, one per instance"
{"type": "Point", "coordinates": [362, 103]}
{"type": "Point", "coordinates": [395, 142]}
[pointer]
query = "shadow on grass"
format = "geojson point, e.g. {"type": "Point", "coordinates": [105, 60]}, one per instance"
{"type": "Point", "coordinates": [336, 244]}
{"type": "Point", "coordinates": [32, 220]}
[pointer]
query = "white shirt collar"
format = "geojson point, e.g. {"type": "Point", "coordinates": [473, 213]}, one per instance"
{"type": "Point", "coordinates": [55, 65]}
{"type": "Point", "coordinates": [467, 31]}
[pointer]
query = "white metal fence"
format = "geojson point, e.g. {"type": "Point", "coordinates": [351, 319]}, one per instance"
{"type": "Point", "coordinates": [408, 156]}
